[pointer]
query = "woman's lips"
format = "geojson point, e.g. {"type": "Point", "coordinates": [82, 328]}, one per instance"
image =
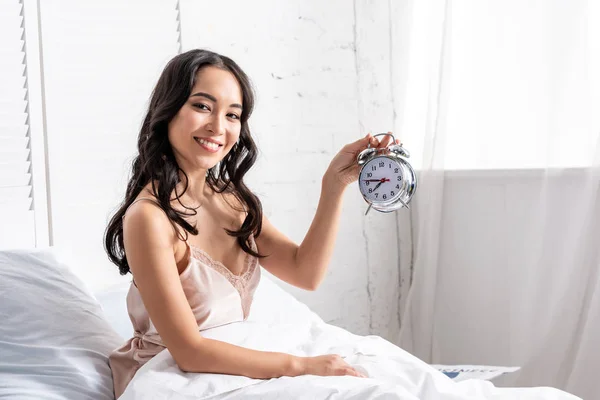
{"type": "Point", "coordinates": [207, 145]}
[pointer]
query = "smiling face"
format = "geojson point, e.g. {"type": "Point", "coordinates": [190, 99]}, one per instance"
{"type": "Point", "coordinates": [208, 125]}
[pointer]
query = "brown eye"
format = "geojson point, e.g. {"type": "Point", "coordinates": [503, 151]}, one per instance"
{"type": "Point", "coordinates": [201, 106]}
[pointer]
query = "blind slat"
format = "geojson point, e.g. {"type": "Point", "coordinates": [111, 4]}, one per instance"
{"type": "Point", "coordinates": [13, 130]}
{"type": "Point", "coordinates": [12, 107]}
{"type": "Point", "coordinates": [14, 156]}
{"type": "Point", "coordinates": [16, 205]}
{"type": "Point", "coordinates": [16, 120]}
{"type": "Point", "coordinates": [12, 144]}
{"type": "Point", "coordinates": [14, 167]}
{"type": "Point", "coordinates": [15, 194]}
{"type": "Point", "coordinates": [16, 199]}
{"type": "Point", "coordinates": [14, 180]}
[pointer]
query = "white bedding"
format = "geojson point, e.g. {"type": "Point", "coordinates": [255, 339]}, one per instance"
{"type": "Point", "coordinates": [54, 340]}
{"type": "Point", "coordinates": [280, 323]}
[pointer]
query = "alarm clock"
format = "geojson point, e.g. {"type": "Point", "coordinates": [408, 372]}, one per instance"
{"type": "Point", "coordinates": [386, 180]}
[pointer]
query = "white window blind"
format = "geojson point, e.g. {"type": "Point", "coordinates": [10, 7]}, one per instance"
{"type": "Point", "coordinates": [101, 61]}
{"type": "Point", "coordinates": [17, 223]}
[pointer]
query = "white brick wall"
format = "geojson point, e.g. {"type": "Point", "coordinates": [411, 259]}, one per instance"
{"type": "Point", "coordinates": [322, 76]}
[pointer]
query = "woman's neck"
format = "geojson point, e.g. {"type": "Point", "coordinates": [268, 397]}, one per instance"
{"type": "Point", "coordinates": [196, 191]}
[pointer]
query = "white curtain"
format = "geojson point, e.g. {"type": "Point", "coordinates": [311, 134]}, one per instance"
{"type": "Point", "coordinates": [501, 109]}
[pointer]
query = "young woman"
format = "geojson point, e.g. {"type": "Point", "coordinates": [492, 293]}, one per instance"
{"type": "Point", "coordinates": [192, 234]}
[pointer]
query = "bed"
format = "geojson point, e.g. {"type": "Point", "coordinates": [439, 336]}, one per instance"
{"type": "Point", "coordinates": [55, 338]}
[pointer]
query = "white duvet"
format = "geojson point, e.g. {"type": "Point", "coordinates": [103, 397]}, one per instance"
{"type": "Point", "coordinates": [278, 322]}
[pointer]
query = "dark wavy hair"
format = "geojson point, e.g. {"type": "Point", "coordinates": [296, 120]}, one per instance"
{"type": "Point", "coordinates": [156, 164]}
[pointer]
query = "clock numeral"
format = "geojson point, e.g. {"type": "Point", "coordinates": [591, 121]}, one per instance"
{"type": "Point", "coordinates": [367, 183]}
{"type": "Point", "coordinates": [369, 174]}
{"type": "Point", "coordinates": [399, 178]}
{"type": "Point", "coordinates": [370, 190]}
{"type": "Point", "coordinates": [396, 170]}
{"type": "Point", "coordinates": [373, 168]}
{"type": "Point", "coordinates": [397, 186]}
{"type": "Point", "coordinates": [390, 165]}
{"type": "Point", "coordinates": [385, 196]}
{"type": "Point", "coordinates": [382, 164]}
{"type": "Point", "coordinates": [392, 193]}
{"type": "Point", "coordinates": [376, 195]}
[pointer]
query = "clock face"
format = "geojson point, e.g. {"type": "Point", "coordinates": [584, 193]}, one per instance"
{"type": "Point", "coordinates": [380, 180]}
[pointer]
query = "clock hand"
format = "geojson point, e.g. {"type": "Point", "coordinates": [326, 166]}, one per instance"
{"type": "Point", "coordinates": [382, 180]}
{"type": "Point", "coordinates": [377, 180]}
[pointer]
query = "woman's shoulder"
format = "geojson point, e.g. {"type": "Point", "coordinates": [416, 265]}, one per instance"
{"type": "Point", "coordinates": [145, 216]}
{"type": "Point", "coordinates": [145, 205]}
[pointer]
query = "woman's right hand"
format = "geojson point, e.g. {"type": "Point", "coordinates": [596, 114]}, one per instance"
{"type": "Point", "coordinates": [329, 365]}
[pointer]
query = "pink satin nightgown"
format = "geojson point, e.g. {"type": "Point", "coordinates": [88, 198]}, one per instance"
{"type": "Point", "coordinates": [216, 297]}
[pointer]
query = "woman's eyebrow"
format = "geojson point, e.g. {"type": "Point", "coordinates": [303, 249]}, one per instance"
{"type": "Point", "coordinates": [214, 99]}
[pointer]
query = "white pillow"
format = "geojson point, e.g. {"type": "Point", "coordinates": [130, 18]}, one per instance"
{"type": "Point", "coordinates": [54, 340]}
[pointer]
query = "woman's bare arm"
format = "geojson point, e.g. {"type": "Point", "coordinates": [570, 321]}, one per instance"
{"type": "Point", "coordinates": [305, 266]}
{"type": "Point", "coordinates": [149, 240]}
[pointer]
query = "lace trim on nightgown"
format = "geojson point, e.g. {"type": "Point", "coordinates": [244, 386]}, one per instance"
{"type": "Point", "coordinates": [239, 282]}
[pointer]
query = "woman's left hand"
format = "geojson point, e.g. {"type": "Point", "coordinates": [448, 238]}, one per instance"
{"type": "Point", "coordinates": [343, 169]}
